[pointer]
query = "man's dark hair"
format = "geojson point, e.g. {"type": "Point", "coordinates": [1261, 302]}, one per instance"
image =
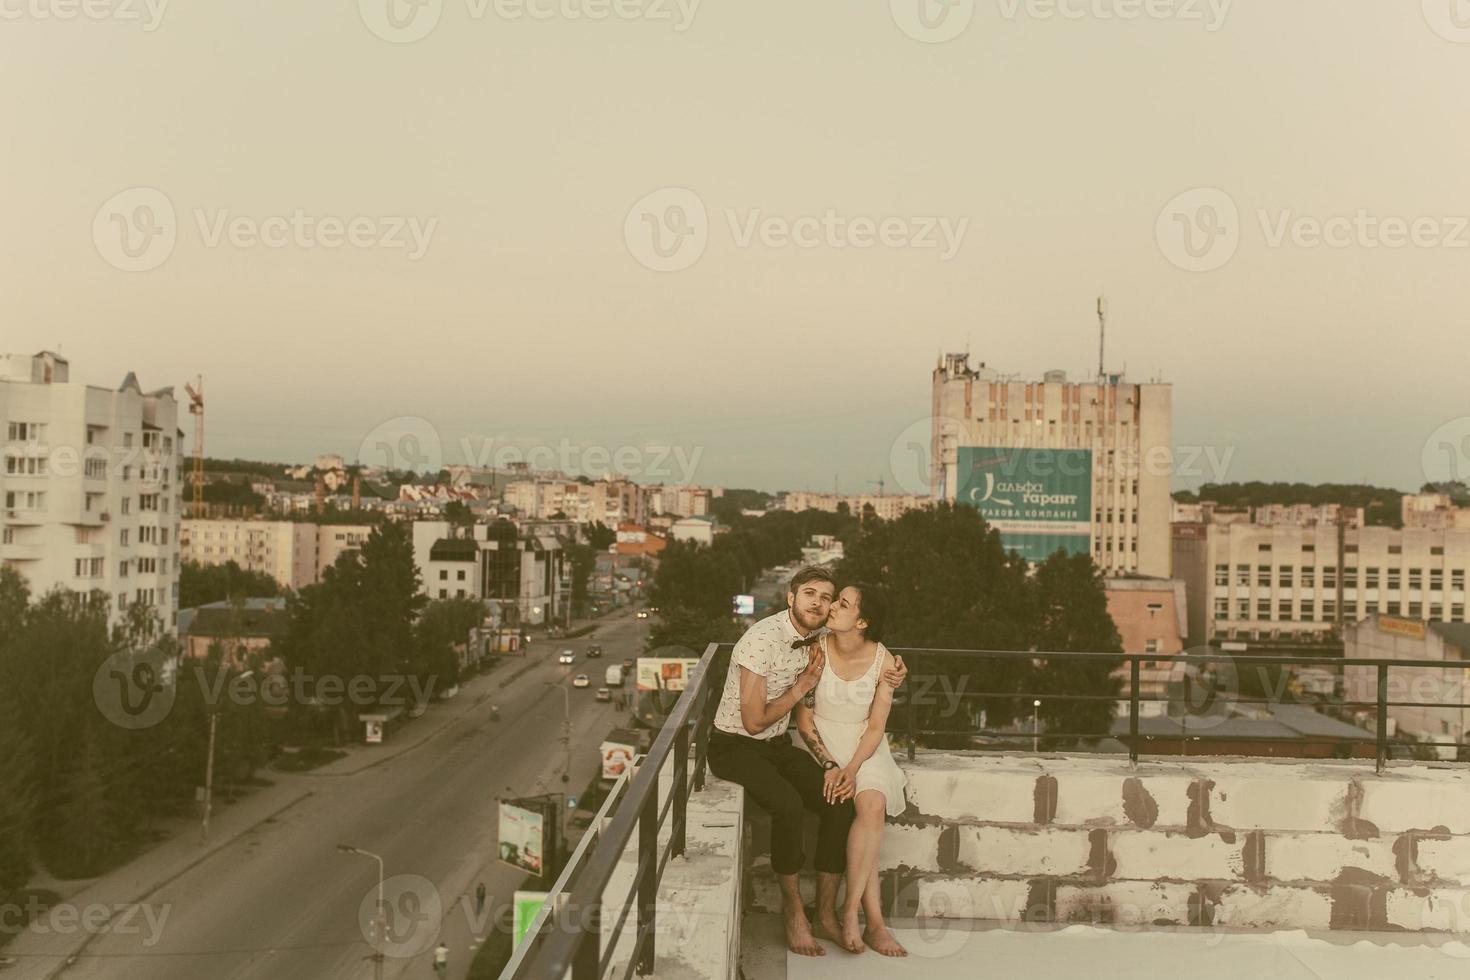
{"type": "Point", "coordinates": [873, 607]}
{"type": "Point", "coordinates": [811, 573]}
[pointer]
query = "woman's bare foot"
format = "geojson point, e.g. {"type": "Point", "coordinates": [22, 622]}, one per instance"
{"type": "Point", "coordinates": [799, 935]}
{"type": "Point", "coordinates": [852, 934]}
{"type": "Point", "coordinates": [826, 927]}
{"type": "Point", "coordinates": [881, 940]}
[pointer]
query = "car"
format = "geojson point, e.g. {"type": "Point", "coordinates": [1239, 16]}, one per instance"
{"type": "Point", "coordinates": [653, 609]}
{"type": "Point", "coordinates": [603, 694]}
{"type": "Point", "coordinates": [594, 651]}
{"type": "Point", "coordinates": [581, 680]}
{"type": "Point", "coordinates": [643, 614]}
{"type": "Point", "coordinates": [567, 657]}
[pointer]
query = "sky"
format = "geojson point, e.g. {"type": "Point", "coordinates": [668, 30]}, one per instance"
{"type": "Point", "coordinates": [745, 231]}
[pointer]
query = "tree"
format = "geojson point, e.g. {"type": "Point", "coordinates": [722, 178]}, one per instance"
{"type": "Point", "coordinates": [202, 584]}
{"type": "Point", "coordinates": [459, 515]}
{"type": "Point", "coordinates": [600, 537]}
{"type": "Point", "coordinates": [17, 801]}
{"type": "Point", "coordinates": [1072, 612]}
{"type": "Point", "coordinates": [441, 635]}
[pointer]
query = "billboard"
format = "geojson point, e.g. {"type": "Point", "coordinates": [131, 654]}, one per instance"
{"type": "Point", "coordinates": [618, 753]}
{"type": "Point", "coordinates": [522, 835]}
{"type": "Point", "coordinates": [1040, 500]}
{"type": "Point", "coordinates": [664, 673]}
{"type": "Point", "coordinates": [527, 906]}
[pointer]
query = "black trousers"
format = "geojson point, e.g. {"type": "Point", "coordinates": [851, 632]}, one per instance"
{"type": "Point", "coordinates": [786, 782]}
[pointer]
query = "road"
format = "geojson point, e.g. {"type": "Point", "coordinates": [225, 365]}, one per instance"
{"type": "Point", "coordinates": [283, 903]}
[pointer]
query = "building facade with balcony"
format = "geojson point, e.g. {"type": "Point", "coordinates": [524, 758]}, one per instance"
{"type": "Point", "coordinates": [90, 486]}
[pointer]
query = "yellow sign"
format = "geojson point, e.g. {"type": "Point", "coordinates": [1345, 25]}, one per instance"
{"type": "Point", "coordinates": [1401, 627]}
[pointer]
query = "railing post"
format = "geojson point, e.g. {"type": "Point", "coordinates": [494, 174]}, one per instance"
{"type": "Point", "coordinates": [913, 706]}
{"type": "Point", "coordinates": [1133, 714]}
{"type": "Point", "coordinates": [648, 879]}
{"type": "Point", "coordinates": [680, 790]}
{"type": "Point", "coordinates": [586, 964]}
{"type": "Point", "coordinates": [1382, 717]}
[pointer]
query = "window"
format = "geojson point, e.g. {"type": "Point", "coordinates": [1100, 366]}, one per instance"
{"type": "Point", "coordinates": [1283, 609]}
{"type": "Point", "coordinates": [1263, 575]}
{"type": "Point", "coordinates": [1350, 578]}
{"type": "Point", "coordinates": [1370, 607]}
{"type": "Point", "coordinates": [26, 431]}
{"type": "Point", "coordinates": [1309, 577]}
{"type": "Point", "coordinates": [1222, 574]}
{"type": "Point", "coordinates": [1329, 576]}
{"type": "Point", "coordinates": [1416, 609]}
{"type": "Point", "coordinates": [122, 600]}
{"type": "Point", "coordinates": [122, 569]}
{"type": "Point", "coordinates": [150, 440]}
{"type": "Point", "coordinates": [444, 593]}
{"type": "Point", "coordinates": [1436, 612]}
{"type": "Point", "coordinates": [459, 593]}
{"type": "Point", "coordinates": [1308, 610]}
{"type": "Point", "coordinates": [1350, 549]}
{"type": "Point", "coordinates": [1243, 609]}
{"type": "Point", "coordinates": [127, 503]}
{"type": "Point", "coordinates": [1416, 578]}
{"type": "Point", "coordinates": [1263, 608]}
{"type": "Point", "coordinates": [1242, 575]}
{"type": "Point", "coordinates": [25, 500]}
{"type": "Point", "coordinates": [89, 567]}
{"type": "Point", "coordinates": [1222, 608]}
{"type": "Point", "coordinates": [147, 501]}
{"type": "Point", "coordinates": [1395, 577]}
{"type": "Point", "coordinates": [163, 536]}
{"type": "Point", "coordinates": [123, 537]}
{"type": "Point", "coordinates": [1371, 579]}
{"type": "Point", "coordinates": [1457, 578]}
{"type": "Point", "coordinates": [1150, 646]}
{"type": "Point", "coordinates": [1263, 547]}
{"type": "Point", "coordinates": [443, 574]}
{"type": "Point", "coordinates": [1329, 609]}
{"type": "Point", "coordinates": [95, 469]}
{"type": "Point", "coordinates": [1284, 575]}
{"type": "Point", "coordinates": [25, 465]}
{"type": "Point", "coordinates": [127, 440]}
{"type": "Point", "coordinates": [1395, 549]}
{"type": "Point", "coordinates": [1309, 548]}
{"type": "Point", "coordinates": [1436, 549]}
{"type": "Point", "coordinates": [1436, 578]}
{"type": "Point", "coordinates": [1457, 612]}
{"type": "Point", "coordinates": [460, 575]}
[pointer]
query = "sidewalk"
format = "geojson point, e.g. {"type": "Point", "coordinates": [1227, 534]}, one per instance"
{"type": "Point", "coordinates": [41, 952]}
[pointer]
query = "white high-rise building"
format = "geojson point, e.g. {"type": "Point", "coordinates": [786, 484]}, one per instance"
{"type": "Point", "coordinates": [1084, 466]}
{"type": "Point", "coordinates": [90, 485]}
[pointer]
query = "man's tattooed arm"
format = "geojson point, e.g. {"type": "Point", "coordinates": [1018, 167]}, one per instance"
{"type": "Point", "coordinates": [806, 724]}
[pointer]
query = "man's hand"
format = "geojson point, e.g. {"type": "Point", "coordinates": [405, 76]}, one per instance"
{"type": "Point", "coordinates": [894, 677]}
{"type": "Point", "coordinates": [806, 681]}
{"type": "Point", "coordinates": [837, 785]}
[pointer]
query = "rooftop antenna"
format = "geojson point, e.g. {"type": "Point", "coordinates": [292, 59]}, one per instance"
{"type": "Point", "coordinates": [1102, 332]}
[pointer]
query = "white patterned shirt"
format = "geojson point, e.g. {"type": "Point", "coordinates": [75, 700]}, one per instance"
{"type": "Point", "coordinates": [765, 649]}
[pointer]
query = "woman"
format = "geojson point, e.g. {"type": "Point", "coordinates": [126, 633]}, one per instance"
{"type": "Point", "coordinates": [843, 723]}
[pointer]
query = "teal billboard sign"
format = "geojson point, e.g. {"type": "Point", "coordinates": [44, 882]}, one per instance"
{"type": "Point", "coordinates": [1040, 500]}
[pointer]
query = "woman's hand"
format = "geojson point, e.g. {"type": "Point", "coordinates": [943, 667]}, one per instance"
{"type": "Point", "coordinates": [838, 785]}
{"type": "Point", "coordinates": [894, 677]}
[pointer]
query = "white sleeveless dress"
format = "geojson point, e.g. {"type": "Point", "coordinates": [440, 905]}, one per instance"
{"type": "Point", "coordinates": [842, 717]}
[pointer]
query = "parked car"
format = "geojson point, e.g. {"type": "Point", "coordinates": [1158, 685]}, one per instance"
{"type": "Point", "coordinates": [567, 657]}
{"type": "Point", "coordinates": [613, 676]}
{"type": "Point", "coordinates": [603, 694]}
{"type": "Point", "coordinates": [594, 651]}
{"type": "Point", "coordinates": [581, 680]}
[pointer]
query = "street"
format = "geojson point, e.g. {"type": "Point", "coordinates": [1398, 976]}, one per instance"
{"type": "Point", "coordinates": [283, 902]}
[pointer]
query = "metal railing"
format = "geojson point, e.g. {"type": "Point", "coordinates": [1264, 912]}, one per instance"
{"type": "Point", "coordinates": [567, 934]}
{"type": "Point", "coordinates": [1136, 742]}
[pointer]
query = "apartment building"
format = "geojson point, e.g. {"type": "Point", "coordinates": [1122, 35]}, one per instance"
{"type": "Point", "coordinates": [888, 507]}
{"type": "Point", "coordinates": [1083, 467]}
{"type": "Point", "coordinates": [1150, 614]}
{"type": "Point", "coordinates": [1434, 512]}
{"type": "Point", "coordinates": [90, 486]}
{"type": "Point", "coordinates": [1285, 582]}
{"type": "Point", "coordinates": [284, 550]}
{"type": "Point", "coordinates": [519, 572]}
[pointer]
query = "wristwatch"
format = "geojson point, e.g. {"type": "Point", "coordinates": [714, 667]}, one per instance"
{"type": "Point", "coordinates": [829, 764]}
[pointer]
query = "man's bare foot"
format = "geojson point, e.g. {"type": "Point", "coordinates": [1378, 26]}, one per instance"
{"type": "Point", "coordinates": [881, 940]}
{"type": "Point", "coordinates": [852, 934]}
{"type": "Point", "coordinates": [799, 935]}
{"type": "Point", "coordinates": [827, 928]}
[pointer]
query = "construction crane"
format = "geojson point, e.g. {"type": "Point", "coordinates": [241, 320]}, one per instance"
{"type": "Point", "coordinates": [196, 409]}
{"type": "Point", "coordinates": [879, 484]}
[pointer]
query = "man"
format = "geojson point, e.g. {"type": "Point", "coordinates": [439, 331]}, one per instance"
{"type": "Point", "coordinates": [441, 960]}
{"type": "Point", "coordinates": [774, 666]}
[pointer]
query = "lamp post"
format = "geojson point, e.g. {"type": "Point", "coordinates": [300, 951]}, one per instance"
{"type": "Point", "coordinates": [209, 768]}
{"type": "Point", "coordinates": [566, 727]}
{"type": "Point", "coordinates": [379, 925]}
{"type": "Point", "coordinates": [1036, 726]}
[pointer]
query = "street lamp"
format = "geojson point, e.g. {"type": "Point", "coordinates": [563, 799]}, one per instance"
{"type": "Point", "coordinates": [379, 925]}
{"type": "Point", "coordinates": [566, 726]}
{"type": "Point", "coordinates": [209, 767]}
{"type": "Point", "coordinates": [1035, 726]}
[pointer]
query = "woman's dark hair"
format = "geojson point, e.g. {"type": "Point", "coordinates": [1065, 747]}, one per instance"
{"type": "Point", "coordinates": [873, 607]}
{"type": "Point", "coordinates": [811, 573]}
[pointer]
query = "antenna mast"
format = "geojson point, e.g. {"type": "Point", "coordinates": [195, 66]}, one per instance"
{"type": "Point", "coordinates": [1102, 332]}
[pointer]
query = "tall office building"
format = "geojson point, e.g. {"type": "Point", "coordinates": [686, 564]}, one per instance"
{"type": "Point", "coordinates": [1083, 467]}
{"type": "Point", "coordinates": [91, 486]}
